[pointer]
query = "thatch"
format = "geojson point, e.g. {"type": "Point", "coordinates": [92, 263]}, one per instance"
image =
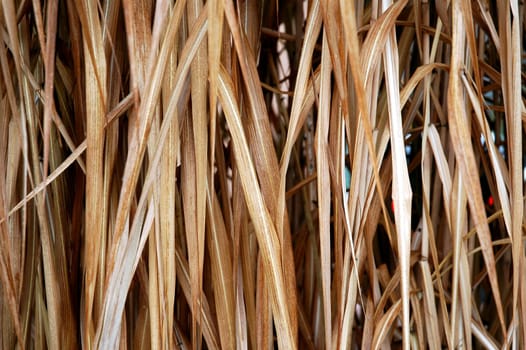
{"type": "Point", "coordinates": [256, 174]}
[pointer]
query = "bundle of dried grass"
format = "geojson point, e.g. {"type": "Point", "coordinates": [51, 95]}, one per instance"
{"type": "Point", "coordinates": [303, 174]}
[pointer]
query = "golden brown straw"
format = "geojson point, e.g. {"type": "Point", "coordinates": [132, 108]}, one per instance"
{"type": "Point", "coordinates": [255, 174]}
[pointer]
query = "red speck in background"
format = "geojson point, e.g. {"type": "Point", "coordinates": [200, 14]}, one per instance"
{"type": "Point", "coordinates": [491, 201]}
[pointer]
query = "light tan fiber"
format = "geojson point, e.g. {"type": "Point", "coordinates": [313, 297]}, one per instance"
{"type": "Point", "coordinates": [262, 174]}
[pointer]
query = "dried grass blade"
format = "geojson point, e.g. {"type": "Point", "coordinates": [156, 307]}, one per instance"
{"type": "Point", "coordinates": [39, 23]}
{"type": "Point", "coordinates": [265, 159]}
{"type": "Point", "coordinates": [110, 323]}
{"type": "Point", "coordinates": [461, 284]}
{"type": "Point", "coordinates": [333, 28]}
{"type": "Point", "coordinates": [433, 333]}
{"type": "Point", "coordinates": [385, 323]}
{"type": "Point", "coordinates": [349, 297]}
{"type": "Point", "coordinates": [501, 173]}
{"type": "Point", "coordinates": [402, 192]}
{"type": "Point", "coordinates": [483, 336]}
{"type": "Point", "coordinates": [222, 274]}
{"type": "Point", "coordinates": [8, 288]}
{"type": "Point", "coordinates": [241, 326]}
{"type": "Point", "coordinates": [378, 36]}
{"type": "Point", "coordinates": [155, 290]}
{"type": "Point", "coordinates": [248, 255]}
{"type": "Point", "coordinates": [359, 75]}
{"type": "Point", "coordinates": [444, 175]}
{"type": "Point", "coordinates": [188, 191]}
{"type": "Point", "coordinates": [28, 284]}
{"type": "Point", "coordinates": [420, 74]}
{"type": "Point", "coordinates": [54, 295]}
{"type": "Point", "coordinates": [511, 56]}
{"type": "Point", "coordinates": [324, 187]}
{"type": "Point", "coordinates": [263, 309]}
{"type": "Point", "coordinates": [265, 231]}
{"type": "Point", "coordinates": [208, 326]}
{"type": "Point", "coordinates": [49, 63]}
{"type": "Point", "coordinates": [465, 295]}
{"type": "Point", "coordinates": [428, 238]}
{"type": "Point", "coordinates": [215, 44]}
{"type": "Point", "coordinates": [460, 137]}
{"type": "Point", "coordinates": [458, 216]}
{"type": "Point", "coordinates": [42, 332]}
{"type": "Point", "coordinates": [142, 335]}
{"type": "Point", "coordinates": [8, 83]}
{"type": "Point", "coordinates": [138, 143]}
{"type": "Point", "coordinates": [95, 75]}
{"type": "Point", "coordinates": [74, 156]}
{"type": "Point", "coordinates": [300, 89]}
{"type": "Point", "coordinates": [10, 298]}
{"type": "Point", "coordinates": [312, 261]}
{"type": "Point", "coordinates": [128, 250]}
{"type": "Point", "coordinates": [137, 22]}
{"type": "Point", "coordinates": [517, 185]}
{"type": "Point", "coordinates": [167, 208]}
{"type": "Point", "coordinates": [195, 235]}
{"type": "Point", "coordinates": [12, 127]}
{"type": "Point", "coordinates": [138, 37]}
{"type": "Point", "coordinates": [8, 9]}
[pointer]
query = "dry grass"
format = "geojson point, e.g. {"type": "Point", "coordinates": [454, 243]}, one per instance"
{"type": "Point", "coordinates": [257, 174]}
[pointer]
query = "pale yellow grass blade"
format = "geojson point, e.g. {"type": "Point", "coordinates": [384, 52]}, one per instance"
{"type": "Point", "coordinates": [324, 189]}
{"type": "Point", "coordinates": [402, 193]}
